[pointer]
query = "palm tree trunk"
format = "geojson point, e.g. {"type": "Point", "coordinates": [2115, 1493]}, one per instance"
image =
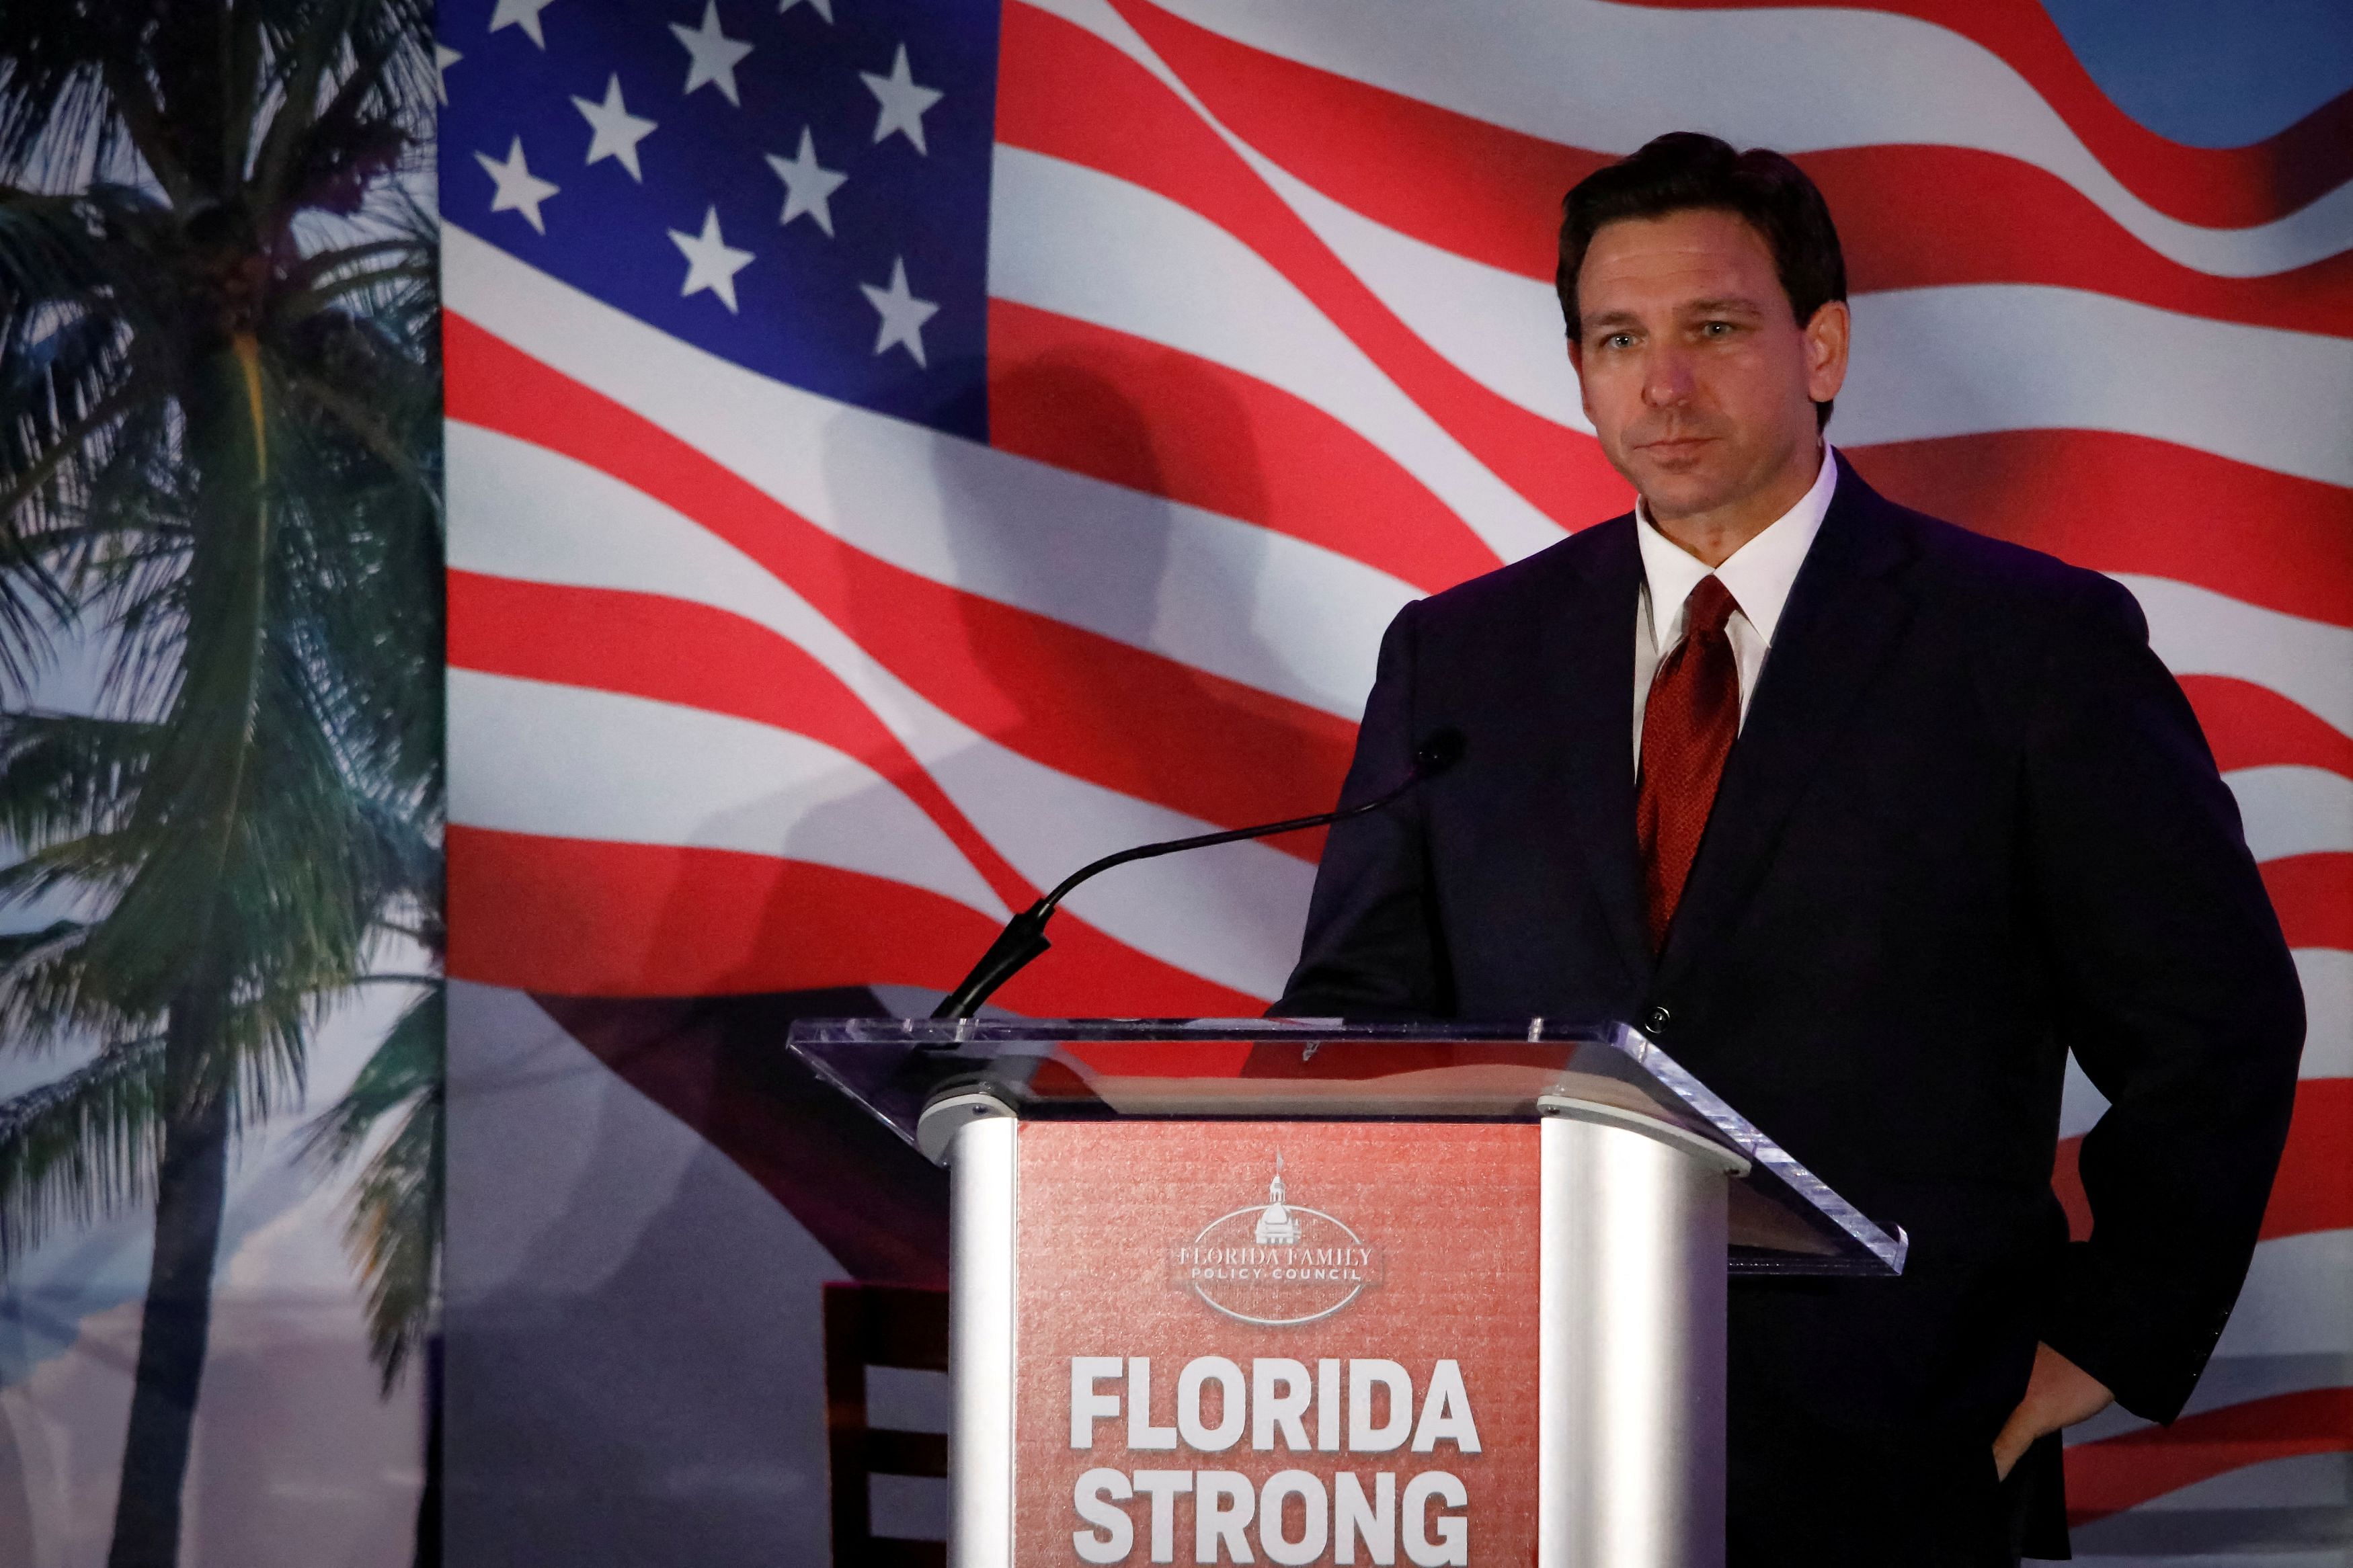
{"type": "Point", "coordinates": [429, 1501]}
{"type": "Point", "coordinates": [176, 1324]}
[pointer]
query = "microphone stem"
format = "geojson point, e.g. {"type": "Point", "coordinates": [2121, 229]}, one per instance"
{"type": "Point", "coordinates": [1048, 904]}
{"type": "Point", "coordinates": [1024, 936]}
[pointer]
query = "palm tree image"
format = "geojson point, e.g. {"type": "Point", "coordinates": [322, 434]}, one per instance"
{"type": "Point", "coordinates": [219, 405]}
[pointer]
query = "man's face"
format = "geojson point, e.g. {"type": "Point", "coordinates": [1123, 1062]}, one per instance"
{"type": "Point", "coordinates": [1699, 380]}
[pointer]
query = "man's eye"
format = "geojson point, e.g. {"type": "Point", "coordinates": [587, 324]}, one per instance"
{"type": "Point", "coordinates": [1619, 341]}
{"type": "Point", "coordinates": [1718, 329]}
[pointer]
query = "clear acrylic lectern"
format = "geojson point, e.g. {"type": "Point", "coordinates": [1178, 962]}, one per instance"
{"type": "Point", "coordinates": [1273, 1291]}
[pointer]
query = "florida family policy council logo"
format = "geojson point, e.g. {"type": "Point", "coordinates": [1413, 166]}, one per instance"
{"type": "Point", "coordinates": [1276, 1264]}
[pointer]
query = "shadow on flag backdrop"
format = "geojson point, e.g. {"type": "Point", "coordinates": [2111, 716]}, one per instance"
{"type": "Point", "coordinates": [900, 449]}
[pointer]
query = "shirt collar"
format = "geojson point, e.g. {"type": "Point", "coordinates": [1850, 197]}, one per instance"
{"type": "Point", "coordinates": [1758, 575]}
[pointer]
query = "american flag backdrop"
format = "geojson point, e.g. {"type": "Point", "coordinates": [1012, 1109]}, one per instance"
{"type": "Point", "coordinates": [900, 449]}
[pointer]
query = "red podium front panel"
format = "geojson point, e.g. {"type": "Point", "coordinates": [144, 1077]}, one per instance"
{"type": "Point", "coordinates": [1288, 1343]}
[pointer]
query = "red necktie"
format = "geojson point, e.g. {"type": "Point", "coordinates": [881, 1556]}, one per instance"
{"type": "Point", "coordinates": [1688, 727]}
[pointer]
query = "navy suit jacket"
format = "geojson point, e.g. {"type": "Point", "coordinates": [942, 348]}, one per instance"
{"type": "Point", "coordinates": [1970, 823]}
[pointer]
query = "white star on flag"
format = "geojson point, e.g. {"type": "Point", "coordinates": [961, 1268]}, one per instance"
{"type": "Point", "coordinates": [616, 131]}
{"type": "Point", "coordinates": [520, 190]}
{"type": "Point", "coordinates": [903, 103]}
{"type": "Point", "coordinates": [710, 262]}
{"type": "Point", "coordinates": [524, 13]}
{"type": "Point", "coordinates": [715, 55]}
{"type": "Point", "coordinates": [902, 314]}
{"type": "Point", "coordinates": [808, 187]}
{"type": "Point", "coordinates": [822, 7]}
{"type": "Point", "coordinates": [444, 56]}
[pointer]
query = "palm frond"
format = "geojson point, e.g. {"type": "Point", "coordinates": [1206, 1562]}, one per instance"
{"type": "Point", "coordinates": [395, 1232]}
{"type": "Point", "coordinates": [93, 866]}
{"type": "Point", "coordinates": [405, 1064]}
{"type": "Point", "coordinates": [81, 1148]}
{"type": "Point", "coordinates": [65, 775]}
{"type": "Point", "coordinates": [56, 111]}
{"type": "Point", "coordinates": [18, 948]}
{"type": "Point", "coordinates": [394, 1235]}
{"type": "Point", "coordinates": [52, 1001]}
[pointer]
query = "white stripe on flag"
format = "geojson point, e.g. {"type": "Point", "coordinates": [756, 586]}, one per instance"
{"type": "Point", "coordinates": [2300, 1480]}
{"type": "Point", "coordinates": [2298, 1298]}
{"type": "Point", "coordinates": [2292, 810]}
{"type": "Point", "coordinates": [2327, 976]}
{"type": "Point", "coordinates": [1965, 360]}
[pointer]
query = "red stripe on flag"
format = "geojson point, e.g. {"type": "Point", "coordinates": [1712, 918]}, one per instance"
{"type": "Point", "coordinates": [590, 919]}
{"type": "Point", "coordinates": [1079, 703]}
{"type": "Point", "coordinates": [2313, 1190]}
{"type": "Point", "coordinates": [1911, 216]}
{"type": "Point", "coordinates": [1063, 92]}
{"type": "Point", "coordinates": [2113, 1474]}
{"type": "Point", "coordinates": [2131, 503]}
{"type": "Point", "coordinates": [2252, 726]}
{"type": "Point", "coordinates": [2314, 896]}
{"type": "Point", "coordinates": [1156, 419]}
{"type": "Point", "coordinates": [2216, 187]}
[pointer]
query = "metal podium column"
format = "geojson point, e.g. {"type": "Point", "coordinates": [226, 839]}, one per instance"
{"type": "Point", "coordinates": [1631, 1441]}
{"type": "Point", "coordinates": [982, 1192]}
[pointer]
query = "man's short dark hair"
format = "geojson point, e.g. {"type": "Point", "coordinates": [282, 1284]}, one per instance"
{"type": "Point", "coordinates": [1684, 170]}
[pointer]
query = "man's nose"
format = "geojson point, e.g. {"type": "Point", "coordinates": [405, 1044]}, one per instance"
{"type": "Point", "coordinates": [1666, 378]}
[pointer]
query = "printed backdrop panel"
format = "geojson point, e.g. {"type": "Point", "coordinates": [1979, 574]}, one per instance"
{"type": "Point", "coordinates": [900, 450]}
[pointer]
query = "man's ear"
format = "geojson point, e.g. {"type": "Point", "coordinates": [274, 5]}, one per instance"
{"type": "Point", "coordinates": [1827, 337]}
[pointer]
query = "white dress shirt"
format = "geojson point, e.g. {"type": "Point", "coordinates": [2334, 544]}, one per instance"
{"type": "Point", "coordinates": [1759, 576]}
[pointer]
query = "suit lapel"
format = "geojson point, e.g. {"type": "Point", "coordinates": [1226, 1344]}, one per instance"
{"type": "Point", "coordinates": [1844, 613]}
{"type": "Point", "coordinates": [1588, 658]}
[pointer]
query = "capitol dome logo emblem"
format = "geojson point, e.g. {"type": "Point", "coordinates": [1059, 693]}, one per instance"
{"type": "Point", "coordinates": [1277, 1263]}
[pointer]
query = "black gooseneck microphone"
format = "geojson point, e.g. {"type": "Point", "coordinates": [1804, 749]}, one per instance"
{"type": "Point", "coordinates": [1024, 936]}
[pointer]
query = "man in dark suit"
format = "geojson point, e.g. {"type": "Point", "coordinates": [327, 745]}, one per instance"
{"type": "Point", "coordinates": [1870, 820]}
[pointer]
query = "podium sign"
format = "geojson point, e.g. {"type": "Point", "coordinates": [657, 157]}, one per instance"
{"type": "Point", "coordinates": [1276, 1342]}
{"type": "Point", "coordinates": [1252, 1291]}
